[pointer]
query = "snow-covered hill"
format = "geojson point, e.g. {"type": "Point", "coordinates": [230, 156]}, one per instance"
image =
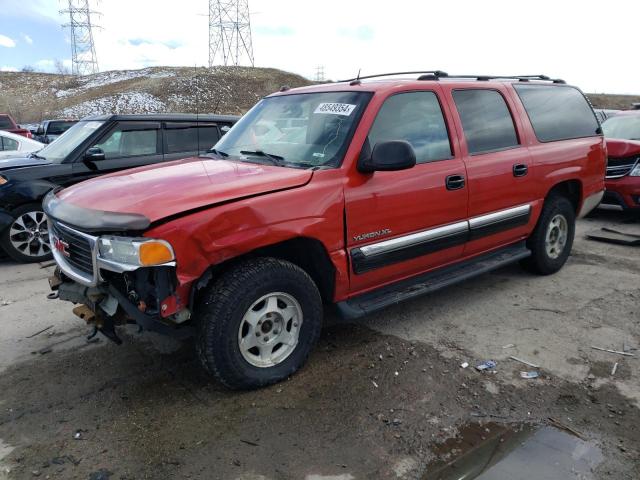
{"type": "Point", "coordinates": [31, 97]}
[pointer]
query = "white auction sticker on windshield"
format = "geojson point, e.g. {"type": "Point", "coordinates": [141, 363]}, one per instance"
{"type": "Point", "coordinates": [335, 108]}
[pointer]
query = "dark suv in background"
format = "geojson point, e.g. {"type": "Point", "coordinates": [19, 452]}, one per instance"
{"type": "Point", "coordinates": [93, 146]}
{"type": "Point", "coordinates": [49, 130]}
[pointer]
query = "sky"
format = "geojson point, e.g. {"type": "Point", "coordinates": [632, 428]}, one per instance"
{"type": "Point", "coordinates": [591, 44]}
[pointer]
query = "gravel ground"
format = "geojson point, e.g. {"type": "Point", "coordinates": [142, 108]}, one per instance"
{"type": "Point", "coordinates": [376, 400]}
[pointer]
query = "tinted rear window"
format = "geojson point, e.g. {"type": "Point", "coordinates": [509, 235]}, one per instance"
{"type": "Point", "coordinates": [486, 120]}
{"type": "Point", "coordinates": [5, 123]}
{"type": "Point", "coordinates": [557, 113]}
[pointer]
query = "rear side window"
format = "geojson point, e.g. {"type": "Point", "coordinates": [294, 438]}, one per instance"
{"type": "Point", "coordinates": [417, 118]}
{"type": "Point", "coordinates": [190, 138]}
{"type": "Point", "coordinates": [8, 143]}
{"type": "Point", "coordinates": [557, 113]}
{"type": "Point", "coordinates": [486, 120]}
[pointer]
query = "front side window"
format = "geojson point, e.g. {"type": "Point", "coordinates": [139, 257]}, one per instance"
{"type": "Point", "coordinates": [557, 112]}
{"type": "Point", "coordinates": [624, 127]}
{"type": "Point", "coordinates": [417, 118]}
{"type": "Point", "coordinates": [123, 142]}
{"type": "Point", "coordinates": [298, 130]}
{"type": "Point", "coordinates": [486, 120]}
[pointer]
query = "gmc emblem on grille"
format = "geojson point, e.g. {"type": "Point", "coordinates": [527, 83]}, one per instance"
{"type": "Point", "coordinates": [61, 246]}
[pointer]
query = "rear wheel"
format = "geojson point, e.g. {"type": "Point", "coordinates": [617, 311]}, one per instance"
{"type": "Point", "coordinates": [258, 323]}
{"type": "Point", "coordinates": [551, 241]}
{"type": "Point", "coordinates": [26, 240]}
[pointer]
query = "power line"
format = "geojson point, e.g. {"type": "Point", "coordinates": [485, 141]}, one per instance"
{"type": "Point", "coordinates": [84, 60]}
{"type": "Point", "coordinates": [229, 33]}
{"type": "Point", "coordinates": [319, 77]}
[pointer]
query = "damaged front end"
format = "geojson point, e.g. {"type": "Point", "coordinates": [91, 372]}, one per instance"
{"type": "Point", "coordinates": [116, 280]}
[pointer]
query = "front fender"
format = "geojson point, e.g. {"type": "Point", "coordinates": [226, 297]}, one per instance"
{"type": "Point", "coordinates": [6, 219]}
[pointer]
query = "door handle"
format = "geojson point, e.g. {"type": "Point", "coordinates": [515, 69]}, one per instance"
{"type": "Point", "coordinates": [454, 182]}
{"type": "Point", "coordinates": [520, 170]}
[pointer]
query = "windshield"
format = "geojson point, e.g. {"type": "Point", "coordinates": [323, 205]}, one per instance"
{"type": "Point", "coordinates": [625, 127]}
{"type": "Point", "coordinates": [58, 128]}
{"type": "Point", "coordinates": [300, 130]}
{"type": "Point", "coordinates": [59, 150]}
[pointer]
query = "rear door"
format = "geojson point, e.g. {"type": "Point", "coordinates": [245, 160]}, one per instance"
{"type": "Point", "coordinates": [125, 145]}
{"type": "Point", "coordinates": [402, 223]}
{"type": "Point", "coordinates": [498, 164]}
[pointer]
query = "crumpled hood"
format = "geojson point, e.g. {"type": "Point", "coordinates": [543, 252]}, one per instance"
{"type": "Point", "coordinates": [160, 191]}
{"type": "Point", "coordinates": [617, 148]}
{"type": "Point", "coordinates": [17, 162]}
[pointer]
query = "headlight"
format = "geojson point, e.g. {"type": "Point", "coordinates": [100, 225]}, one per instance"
{"type": "Point", "coordinates": [636, 171]}
{"type": "Point", "coordinates": [3, 180]}
{"type": "Point", "coordinates": [135, 251]}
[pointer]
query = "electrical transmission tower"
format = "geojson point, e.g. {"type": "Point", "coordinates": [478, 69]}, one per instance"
{"type": "Point", "coordinates": [319, 73]}
{"type": "Point", "coordinates": [83, 51]}
{"type": "Point", "coordinates": [229, 33]}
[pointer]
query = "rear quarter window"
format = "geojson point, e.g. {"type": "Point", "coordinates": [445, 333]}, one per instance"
{"type": "Point", "coordinates": [557, 112]}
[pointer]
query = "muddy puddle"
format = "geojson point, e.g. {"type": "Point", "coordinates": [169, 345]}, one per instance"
{"type": "Point", "coordinates": [507, 452]}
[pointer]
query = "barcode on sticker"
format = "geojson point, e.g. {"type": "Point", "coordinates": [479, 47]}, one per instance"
{"type": "Point", "coordinates": [335, 108]}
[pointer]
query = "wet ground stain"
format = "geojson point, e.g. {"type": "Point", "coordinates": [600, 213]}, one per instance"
{"type": "Point", "coordinates": [366, 406]}
{"type": "Point", "coordinates": [514, 452]}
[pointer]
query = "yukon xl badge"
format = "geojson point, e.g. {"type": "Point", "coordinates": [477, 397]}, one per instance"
{"type": "Point", "coordinates": [367, 236]}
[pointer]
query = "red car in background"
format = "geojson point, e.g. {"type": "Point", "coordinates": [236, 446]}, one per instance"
{"type": "Point", "coordinates": [7, 123]}
{"type": "Point", "coordinates": [622, 133]}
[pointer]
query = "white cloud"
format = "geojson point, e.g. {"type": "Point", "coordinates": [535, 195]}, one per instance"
{"type": "Point", "coordinates": [6, 42]}
{"type": "Point", "coordinates": [27, 39]}
{"type": "Point", "coordinates": [8, 69]}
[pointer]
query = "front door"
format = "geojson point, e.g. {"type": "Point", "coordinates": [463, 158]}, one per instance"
{"type": "Point", "coordinates": [126, 145]}
{"type": "Point", "coordinates": [404, 222]}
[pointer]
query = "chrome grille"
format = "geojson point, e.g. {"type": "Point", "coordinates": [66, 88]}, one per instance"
{"type": "Point", "coordinates": [619, 167]}
{"type": "Point", "coordinates": [74, 252]}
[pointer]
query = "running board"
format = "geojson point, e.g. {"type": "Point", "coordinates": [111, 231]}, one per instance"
{"type": "Point", "coordinates": [430, 282]}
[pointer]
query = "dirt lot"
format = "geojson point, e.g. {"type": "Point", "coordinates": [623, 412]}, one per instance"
{"type": "Point", "coordinates": [375, 400]}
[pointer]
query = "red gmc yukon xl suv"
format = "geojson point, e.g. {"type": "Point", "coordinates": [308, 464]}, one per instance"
{"type": "Point", "coordinates": [357, 194]}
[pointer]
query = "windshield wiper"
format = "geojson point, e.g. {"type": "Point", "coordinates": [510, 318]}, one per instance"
{"type": "Point", "coordinates": [218, 152]}
{"type": "Point", "coordinates": [35, 155]}
{"type": "Point", "coordinates": [275, 159]}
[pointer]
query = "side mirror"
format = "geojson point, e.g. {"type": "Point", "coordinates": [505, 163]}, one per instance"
{"type": "Point", "coordinates": [388, 156]}
{"type": "Point", "coordinates": [94, 154]}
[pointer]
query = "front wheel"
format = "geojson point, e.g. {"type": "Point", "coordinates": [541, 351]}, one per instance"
{"type": "Point", "coordinates": [551, 241]}
{"type": "Point", "coordinates": [26, 239]}
{"type": "Point", "coordinates": [258, 323]}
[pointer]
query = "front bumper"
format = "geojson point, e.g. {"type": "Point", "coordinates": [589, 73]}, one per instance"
{"type": "Point", "coordinates": [114, 294]}
{"type": "Point", "coordinates": [110, 308]}
{"type": "Point", "coordinates": [624, 192]}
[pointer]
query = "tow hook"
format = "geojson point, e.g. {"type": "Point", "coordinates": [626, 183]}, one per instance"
{"type": "Point", "coordinates": [100, 324]}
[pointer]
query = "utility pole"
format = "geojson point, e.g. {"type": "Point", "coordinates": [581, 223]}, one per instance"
{"type": "Point", "coordinates": [84, 60]}
{"type": "Point", "coordinates": [229, 33]}
{"type": "Point", "coordinates": [319, 73]}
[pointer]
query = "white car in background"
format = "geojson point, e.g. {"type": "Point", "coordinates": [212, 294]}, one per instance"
{"type": "Point", "coordinates": [12, 145]}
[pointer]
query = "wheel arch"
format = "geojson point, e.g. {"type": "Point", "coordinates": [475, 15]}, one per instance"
{"type": "Point", "coordinates": [307, 253]}
{"type": "Point", "coordinates": [571, 189]}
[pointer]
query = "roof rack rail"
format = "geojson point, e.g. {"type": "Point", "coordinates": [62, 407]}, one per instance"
{"type": "Point", "coordinates": [437, 74]}
{"type": "Point", "coordinates": [521, 78]}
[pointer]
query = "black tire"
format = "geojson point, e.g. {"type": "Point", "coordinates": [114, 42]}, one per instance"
{"type": "Point", "coordinates": [219, 316]}
{"type": "Point", "coordinates": [540, 261]}
{"type": "Point", "coordinates": [15, 253]}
